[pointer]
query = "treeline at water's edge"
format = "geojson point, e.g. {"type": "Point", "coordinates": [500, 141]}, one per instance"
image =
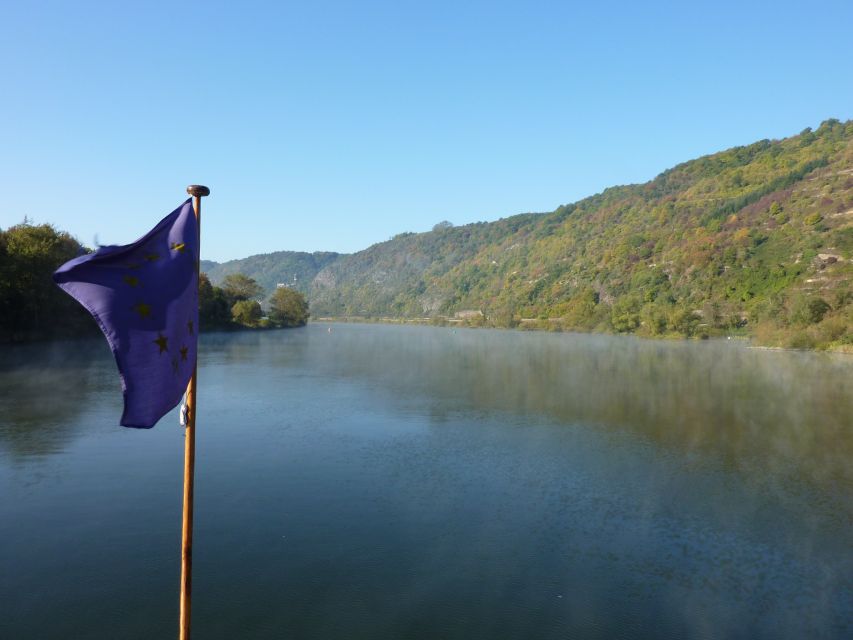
{"type": "Point", "coordinates": [33, 308]}
{"type": "Point", "coordinates": [754, 241]}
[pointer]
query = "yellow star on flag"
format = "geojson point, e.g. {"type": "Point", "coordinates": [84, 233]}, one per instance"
{"type": "Point", "coordinates": [142, 309]}
{"type": "Point", "coordinates": [162, 342]}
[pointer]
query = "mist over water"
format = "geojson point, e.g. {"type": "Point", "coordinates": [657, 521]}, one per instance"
{"type": "Point", "coordinates": [389, 482]}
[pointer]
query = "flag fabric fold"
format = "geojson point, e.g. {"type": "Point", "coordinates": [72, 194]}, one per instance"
{"type": "Point", "coordinates": [144, 297]}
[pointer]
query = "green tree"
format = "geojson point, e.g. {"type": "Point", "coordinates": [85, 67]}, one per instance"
{"type": "Point", "coordinates": [653, 318]}
{"type": "Point", "coordinates": [238, 286]}
{"type": "Point", "coordinates": [31, 305]}
{"type": "Point", "coordinates": [288, 308]}
{"type": "Point", "coordinates": [810, 310]}
{"type": "Point", "coordinates": [504, 315]}
{"type": "Point", "coordinates": [214, 312]}
{"type": "Point", "coordinates": [246, 312]}
{"type": "Point", "coordinates": [684, 321]}
{"type": "Point", "coordinates": [625, 314]}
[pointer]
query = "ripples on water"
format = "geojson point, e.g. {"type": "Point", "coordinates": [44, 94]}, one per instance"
{"type": "Point", "coordinates": [385, 481]}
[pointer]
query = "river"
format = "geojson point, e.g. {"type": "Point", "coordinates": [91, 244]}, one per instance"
{"type": "Point", "coordinates": [378, 481]}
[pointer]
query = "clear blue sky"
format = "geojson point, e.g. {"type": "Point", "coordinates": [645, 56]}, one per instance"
{"type": "Point", "coordinates": [331, 126]}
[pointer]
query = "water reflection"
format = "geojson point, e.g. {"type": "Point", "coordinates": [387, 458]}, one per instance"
{"type": "Point", "coordinates": [44, 388]}
{"type": "Point", "coordinates": [388, 482]}
{"type": "Point", "coordinates": [584, 485]}
{"type": "Point", "coordinates": [784, 412]}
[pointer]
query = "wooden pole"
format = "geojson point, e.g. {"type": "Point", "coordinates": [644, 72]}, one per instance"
{"type": "Point", "coordinates": [197, 192]}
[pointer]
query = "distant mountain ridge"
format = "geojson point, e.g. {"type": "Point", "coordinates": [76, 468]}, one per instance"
{"type": "Point", "coordinates": [758, 237]}
{"type": "Point", "coordinates": [294, 268]}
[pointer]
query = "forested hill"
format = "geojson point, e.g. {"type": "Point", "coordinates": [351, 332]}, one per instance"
{"type": "Point", "coordinates": [294, 268]}
{"type": "Point", "coordinates": [756, 238]}
{"type": "Point", "coordinates": [753, 240]}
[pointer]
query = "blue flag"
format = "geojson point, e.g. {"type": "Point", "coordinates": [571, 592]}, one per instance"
{"type": "Point", "coordinates": [144, 297]}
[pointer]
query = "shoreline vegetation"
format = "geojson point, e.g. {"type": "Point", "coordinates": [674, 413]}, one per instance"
{"type": "Point", "coordinates": [33, 308]}
{"type": "Point", "coordinates": [30, 303]}
{"type": "Point", "coordinates": [755, 241]}
{"type": "Point", "coordinates": [239, 304]}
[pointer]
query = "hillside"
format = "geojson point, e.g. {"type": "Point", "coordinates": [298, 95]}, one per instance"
{"type": "Point", "coordinates": [756, 238]}
{"type": "Point", "coordinates": [752, 240]}
{"type": "Point", "coordinates": [399, 277]}
{"type": "Point", "coordinates": [296, 268]}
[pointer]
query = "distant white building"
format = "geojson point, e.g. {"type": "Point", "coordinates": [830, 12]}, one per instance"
{"type": "Point", "coordinates": [280, 285]}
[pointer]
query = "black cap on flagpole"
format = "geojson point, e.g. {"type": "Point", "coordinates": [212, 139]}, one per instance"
{"type": "Point", "coordinates": [198, 191]}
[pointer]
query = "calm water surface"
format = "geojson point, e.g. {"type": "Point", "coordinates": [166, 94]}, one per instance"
{"type": "Point", "coordinates": [414, 482]}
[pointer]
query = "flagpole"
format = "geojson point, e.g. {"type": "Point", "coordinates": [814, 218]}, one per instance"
{"type": "Point", "coordinates": [197, 192]}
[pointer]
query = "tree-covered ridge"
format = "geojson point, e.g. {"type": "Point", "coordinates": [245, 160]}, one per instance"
{"type": "Point", "coordinates": [293, 268]}
{"type": "Point", "coordinates": [396, 277]}
{"type": "Point", "coordinates": [756, 238]}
